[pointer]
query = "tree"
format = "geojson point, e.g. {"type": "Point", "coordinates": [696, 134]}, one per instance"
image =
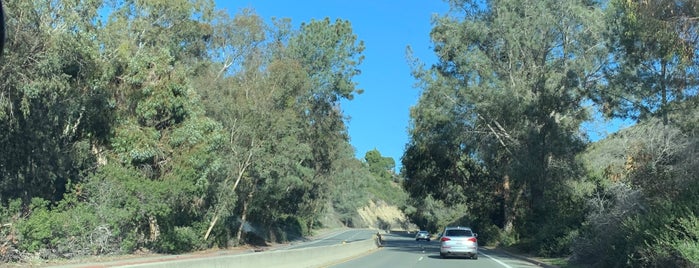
{"type": "Point", "coordinates": [278, 104]}
{"type": "Point", "coordinates": [645, 194]}
{"type": "Point", "coordinates": [154, 47]}
{"type": "Point", "coordinates": [329, 53]}
{"type": "Point", "coordinates": [379, 165]}
{"type": "Point", "coordinates": [508, 92]}
{"type": "Point", "coordinates": [654, 46]}
{"type": "Point", "coordinates": [234, 94]}
{"type": "Point", "coordinates": [168, 126]}
{"type": "Point", "coordinates": [51, 108]}
{"type": "Point", "coordinates": [351, 187]}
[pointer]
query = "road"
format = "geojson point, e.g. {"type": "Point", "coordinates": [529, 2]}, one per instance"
{"type": "Point", "coordinates": [334, 238]}
{"type": "Point", "coordinates": [401, 250]}
{"type": "Point", "coordinates": [331, 238]}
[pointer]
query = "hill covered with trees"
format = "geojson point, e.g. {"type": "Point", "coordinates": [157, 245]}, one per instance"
{"type": "Point", "coordinates": [170, 126]}
{"type": "Point", "coordinates": [497, 137]}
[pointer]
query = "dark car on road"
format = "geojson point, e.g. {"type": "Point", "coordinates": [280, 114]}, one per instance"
{"type": "Point", "coordinates": [458, 241]}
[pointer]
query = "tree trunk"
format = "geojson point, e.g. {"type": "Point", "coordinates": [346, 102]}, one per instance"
{"type": "Point", "coordinates": [241, 172]}
{"type": "Point", "coordinates": [310, 224]}
{"type": "Point", "coordinates": [508, 211]}
{"type": "Point", "coordinates": [154, 228]}
{"type": "Point", "coordinates": [663, 90]}
{"type": "Point", "coordinates": [243, 217]}
{"type": "Point", "coordinates": [211, 226]}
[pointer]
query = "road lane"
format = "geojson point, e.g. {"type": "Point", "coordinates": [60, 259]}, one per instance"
{"type": "Point", "coordinates": [401, 250]}
{"type": "Point", "coordinates": [339, 237]}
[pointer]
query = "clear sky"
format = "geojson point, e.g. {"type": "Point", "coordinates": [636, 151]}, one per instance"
{"type": "Point", "coordinates": [379, 117]}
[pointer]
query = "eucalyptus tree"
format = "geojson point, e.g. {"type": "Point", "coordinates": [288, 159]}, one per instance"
{"type": "Point", "coordinates": [329, 54]}
{"type": "Point", "coordinates": [654, 48]}
{"type": "Point", "coordinates": [278, 105]}
{"type": "Point", "coordinates": [233, 93]}
{"type": "Point", "coordinates": [51, 105]}
{"type": "Point", "coordinates": [508, 92]}
{"type": "Point", "coordinates": [162, 138]}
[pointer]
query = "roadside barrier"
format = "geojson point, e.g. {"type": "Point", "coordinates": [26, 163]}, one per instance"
{"type": "Point", "coordinates": [292, 258]}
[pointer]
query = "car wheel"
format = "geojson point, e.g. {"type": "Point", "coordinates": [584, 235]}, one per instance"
{"type": "Point", "coordinates": [442, 255]}
{"type": "Point", "coordinates": [475, 256]}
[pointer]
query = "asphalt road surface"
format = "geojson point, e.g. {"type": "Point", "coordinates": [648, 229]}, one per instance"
{"type": "Point", "coordinates": [334, 238]}
{"type": "Point", "coordinates": [401, 250]}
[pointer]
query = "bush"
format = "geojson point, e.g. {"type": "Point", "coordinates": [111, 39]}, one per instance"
{"type": "Point", "coordinates": [64, 231]}
{"type": "Point", "coordinates": [687, 243]}
{"type": "Point", "coordinates": [178, 240]}
{"type": "Point", "coordinates": [490, 235]}
{"type": "Point", "coordinates": [37, 231]}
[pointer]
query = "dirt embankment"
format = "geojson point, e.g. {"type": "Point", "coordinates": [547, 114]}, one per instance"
{"type": "Point", "coordinates": [385, 217]}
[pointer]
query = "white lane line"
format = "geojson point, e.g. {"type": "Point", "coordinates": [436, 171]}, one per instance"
{"type": "Point", "coordinates": [420, 259]}
{"type": "Point", "coordinates": [494, 259]}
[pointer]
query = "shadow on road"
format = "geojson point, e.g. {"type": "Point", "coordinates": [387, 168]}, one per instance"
{"type": "Point", "coordinates": [401, 233]}
{"type": "Point", "coordinates": [398, 242]}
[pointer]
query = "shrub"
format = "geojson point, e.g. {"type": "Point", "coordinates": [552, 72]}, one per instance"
{"type": "Point", "coordinates": [180, 239]}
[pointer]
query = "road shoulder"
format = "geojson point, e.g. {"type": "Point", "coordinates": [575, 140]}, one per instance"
{"type": "Point", "coordinates": [522, 257]}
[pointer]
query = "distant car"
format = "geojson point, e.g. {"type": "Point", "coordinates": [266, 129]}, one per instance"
{"type": "Point", "coordinates": [458, 241]}
{"type": "Point", "coordinates": [422, 235]}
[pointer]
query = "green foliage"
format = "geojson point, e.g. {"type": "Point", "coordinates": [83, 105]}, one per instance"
{"type": "Point", "coordinates": [654, 53]}
{"type": "Point", "coordinates": [330, 54]}
{"type": "Point", "coordinates": [38, 231]}
{"type": "Point", "coordinates": [351, 190]}
{"type": "Point", "coordinates": [180, 239]}
{"type": "Point", "coordinates": [68, 230]}
{"type": "Point", "coordinates": [51, 102]}
{"type": "Point", "coordinates": [647, 206]}
{"type": "Point", "coordinates": [686, 244]}
{"type": "Point", "coordinates": [174, 124]}
{"type": "Point", "coordinates": [499, 118]}
{"type": "Point", "coordinates": [379, 165]}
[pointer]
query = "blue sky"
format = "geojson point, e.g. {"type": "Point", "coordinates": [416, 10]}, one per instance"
{"type": "Point", "coordinates": [379, 117]}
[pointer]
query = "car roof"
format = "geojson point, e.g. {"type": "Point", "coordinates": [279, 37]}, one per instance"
{"type": "Point", "coordinates": [456, 227]}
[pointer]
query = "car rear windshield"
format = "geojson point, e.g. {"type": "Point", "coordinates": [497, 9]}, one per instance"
{"type": "Point", "coordinates": [458, 232]}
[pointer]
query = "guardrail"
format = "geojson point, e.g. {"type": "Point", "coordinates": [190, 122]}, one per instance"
{"type": "Point", "coordinates": [292, 258]}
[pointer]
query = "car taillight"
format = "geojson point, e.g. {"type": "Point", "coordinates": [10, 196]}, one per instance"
{"type": "Point", "coordinates": [445, 239]}
{"type": "Point", "coordinates": [473, 239]}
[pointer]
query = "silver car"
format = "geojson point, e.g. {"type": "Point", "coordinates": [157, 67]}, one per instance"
{"type": "Point", "coordinates": [458, 241]}
{"type": "Point", "coordinates": [422, 235]}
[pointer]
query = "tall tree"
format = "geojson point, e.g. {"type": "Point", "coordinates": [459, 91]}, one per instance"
{"type": "Point", "coordinates": [152, 49]}
{"type": "Point", "coordinates": [654, 46]}
{"type": "Point", "coordinates": [329, 53]}
{"type": "Point", "coordinates": [279, 103]}
{"type": "Point", "coordinates": [234, 94]}
{"type": "Point", "coordinates": [51, 106]}
{"type": "Point", "coordinates": [513, 82]}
